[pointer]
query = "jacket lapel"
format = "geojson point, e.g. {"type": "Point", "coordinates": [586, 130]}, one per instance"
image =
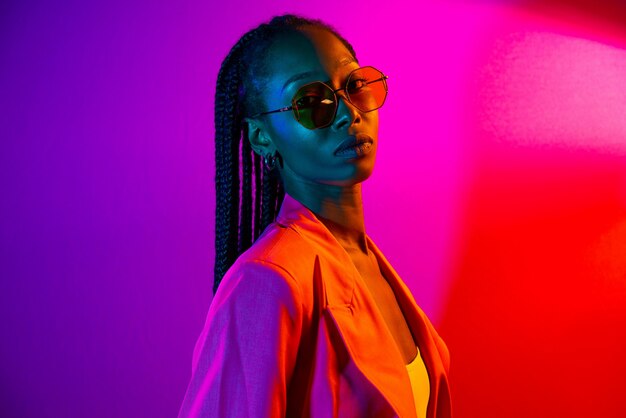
{"type": "Point", "coordinates": [372, 348]}
{"type": "Point", "coordinates": [354, 312]}
{"type": "Point", "coordinates": [420, 327]}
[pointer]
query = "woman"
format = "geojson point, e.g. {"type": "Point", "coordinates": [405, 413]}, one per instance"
{"type": "Point", "coordinates": [310, 320]}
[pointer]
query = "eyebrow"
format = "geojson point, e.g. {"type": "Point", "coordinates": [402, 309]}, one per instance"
{"type": "Point", "coordinates": [341, 63]}
{"type": "Point", "coordinates": [297, 77]}
{"type": "Point", "coordinates": [347, 60]}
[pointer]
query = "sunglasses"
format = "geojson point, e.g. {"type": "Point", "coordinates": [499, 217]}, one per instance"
{"type": "Point", "coordinates": [315, 104]}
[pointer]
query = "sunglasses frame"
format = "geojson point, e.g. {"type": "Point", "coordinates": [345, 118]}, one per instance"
{"type": "Point", "coordinates": [294, 106]}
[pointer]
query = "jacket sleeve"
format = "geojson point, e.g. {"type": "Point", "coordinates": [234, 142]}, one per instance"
{"type": "Point", "coordinates": [245, 355]}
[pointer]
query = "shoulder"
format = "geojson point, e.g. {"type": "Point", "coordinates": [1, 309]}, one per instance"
{"type": "Point", "coordinates": [286, 250]}
{"type": "Point", "coordinates": [279, 267]}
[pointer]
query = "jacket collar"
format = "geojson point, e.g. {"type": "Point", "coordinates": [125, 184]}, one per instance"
{"type": "Point", "coordinates": [295, 215]}
{"type": "Point", "coordinates": [355, 313]}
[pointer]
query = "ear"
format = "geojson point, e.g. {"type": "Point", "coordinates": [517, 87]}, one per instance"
{"type": "Point", "coordinates": [260, 140]}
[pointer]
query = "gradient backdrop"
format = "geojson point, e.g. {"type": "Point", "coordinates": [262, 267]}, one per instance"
{"type": "Point", "coordinates": [499, 195]}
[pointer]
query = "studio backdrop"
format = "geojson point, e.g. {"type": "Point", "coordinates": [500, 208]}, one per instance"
{"type": "Point", "coordinates": [499, 194]}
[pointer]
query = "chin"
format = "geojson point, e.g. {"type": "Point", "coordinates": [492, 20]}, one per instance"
{"type": "Point", "coordinates": [362, 175]}
{"type": "Point", "coordinates": [358, 176]}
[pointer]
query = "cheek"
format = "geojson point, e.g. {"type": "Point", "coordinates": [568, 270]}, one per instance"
{"type": "Point", "coordinates": [293, 140]}
{"type": "Point", "coordinates": [372, 120]}
{"type": "Point", "coordinates": [284, 125]}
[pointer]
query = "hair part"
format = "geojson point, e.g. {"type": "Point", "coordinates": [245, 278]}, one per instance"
{"type": "Point", "coordinates": [248, 195]}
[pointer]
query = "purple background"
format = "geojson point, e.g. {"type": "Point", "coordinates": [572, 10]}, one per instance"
{"type": "Point", "coordinates": [106, 117]}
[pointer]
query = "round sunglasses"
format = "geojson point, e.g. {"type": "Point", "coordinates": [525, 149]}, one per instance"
{"type": "Point", "coordinates": [315, 104]}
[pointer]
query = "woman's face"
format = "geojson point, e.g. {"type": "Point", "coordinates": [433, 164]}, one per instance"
{"type": "Point", "coordinates": [312, 156]}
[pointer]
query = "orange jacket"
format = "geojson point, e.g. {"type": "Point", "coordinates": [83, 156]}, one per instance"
{"type": "Point", "coordinates": [293, 331]}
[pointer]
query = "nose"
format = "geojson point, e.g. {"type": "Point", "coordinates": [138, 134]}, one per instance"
{"type": "Point", "coordinates": [347, 114]}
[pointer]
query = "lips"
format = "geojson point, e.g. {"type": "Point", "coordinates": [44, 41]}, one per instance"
{"type": "Point", "coordinates": [356, 142]}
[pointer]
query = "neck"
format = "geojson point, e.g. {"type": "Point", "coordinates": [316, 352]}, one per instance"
{"type": "Point", "coordinates": [339, 208]}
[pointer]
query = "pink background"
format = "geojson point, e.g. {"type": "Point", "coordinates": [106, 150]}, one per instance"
{"type": "Point", "coordinates": [499, 195]}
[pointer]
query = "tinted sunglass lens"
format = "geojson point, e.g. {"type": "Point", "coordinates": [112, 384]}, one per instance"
{"type": "Point", "coordinates": [367, 89]}
{"type": "Point", "coordinates": [314, 105]}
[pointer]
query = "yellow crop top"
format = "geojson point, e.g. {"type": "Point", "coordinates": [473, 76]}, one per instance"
{"type": "Point", "coordinates": [419, 383]}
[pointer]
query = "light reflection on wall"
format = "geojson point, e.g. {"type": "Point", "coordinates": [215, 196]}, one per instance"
{"type": "Point", "coordinates": [546, 88]}
{"type": "Point", "coordinates": [536, 313]}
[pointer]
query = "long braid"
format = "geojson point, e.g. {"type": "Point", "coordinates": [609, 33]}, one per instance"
{"type": "Point", "coordinates": [280, 195]}
{"type": "Point", "coordinates": [258, 196]}
{"type": "Point", "coordinates": [227, 115]}
{"type": "Point", "coordinates": [268, 200]}
{"type": "Point", "coordinates": [248, 196]}
{"type": "Point", "coordinates": [245, 226]}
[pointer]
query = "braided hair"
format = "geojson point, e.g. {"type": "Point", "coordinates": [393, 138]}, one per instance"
{"type": "Point", "coordinates": [248, 194]}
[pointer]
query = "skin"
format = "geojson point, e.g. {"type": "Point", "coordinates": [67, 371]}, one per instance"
{"type": "Point", "coordinates": [328, 184]}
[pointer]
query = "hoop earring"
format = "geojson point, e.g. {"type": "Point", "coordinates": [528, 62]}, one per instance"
{"type": "Point", "coordinates": [270, 161]}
